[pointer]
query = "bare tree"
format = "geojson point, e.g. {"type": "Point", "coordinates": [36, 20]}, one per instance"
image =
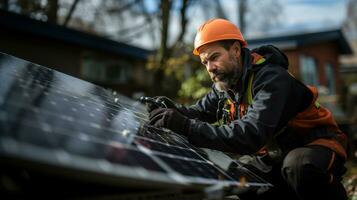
{"type": "Point", "coordinates": [183, 23]}
{"type": "Point", "coordinates": [166, 53]}
{"type": "Point", "coordinates": [242, 11]}
{"type": "Point", "coordinates": [265, 15]}
{"type": "Point", "coordinates": [150, 20]}
{"type": "Point", "coordinates": [162, 53]}
{"type": "Point", "coordinates": [51, 11]}
{"type": "Point", "coordinates": [122, 20]}
{"type": "Point", "coordinates": [70, 13]}
{"type": "Point", "coordinates": [4, 4]}
{"type": "Point", "coordinates": [36, 9]}
{"type": "Point", "coordinates": [351, 20]}
{"type": "Point", "coordinates": [219, 9]}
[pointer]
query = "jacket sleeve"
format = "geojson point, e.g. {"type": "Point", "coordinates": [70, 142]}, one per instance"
{"type": "Point", "coordinates": [205, 109]}
{"type": "Point", "coordinates": [271, 88]}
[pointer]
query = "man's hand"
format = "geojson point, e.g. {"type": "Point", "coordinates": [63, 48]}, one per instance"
{"type": "Point", "coordinates": [153, 103]}
{"type": "Point", "coordinates": [171, 119]}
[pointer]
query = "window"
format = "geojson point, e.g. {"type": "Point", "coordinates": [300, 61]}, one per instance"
{"type": "Point", "coordinates": [111, 71]}
{"type": "Point", "coordinates": [118, 72]}
{"type": "Point", "coordinates": [330, 78]}
{"type": "Point", "coordinates": [308, 70]}
{"type": "Point", "coordinates": [92, 69]}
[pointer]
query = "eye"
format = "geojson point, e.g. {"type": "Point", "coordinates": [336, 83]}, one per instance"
{"type": "Point", "coordinates": [214, 57]}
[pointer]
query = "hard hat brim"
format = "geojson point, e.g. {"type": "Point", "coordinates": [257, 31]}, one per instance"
{"type": "Point", "coordinates": [227, 37]}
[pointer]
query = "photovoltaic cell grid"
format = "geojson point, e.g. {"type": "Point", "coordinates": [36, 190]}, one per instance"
{"type": "Point", "coordinates": [49, 117]}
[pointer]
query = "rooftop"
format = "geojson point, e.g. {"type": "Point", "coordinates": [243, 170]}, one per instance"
{"type": "Point", "coordinates": [295, 40]}
{"type": "Point", "coordinates": [27, 25]}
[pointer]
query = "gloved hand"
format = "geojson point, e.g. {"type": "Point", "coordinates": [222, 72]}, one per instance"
{"type": "Point", "coordinates": [170, 119]}
{"type": "Point", "coordinates": [153, 103]}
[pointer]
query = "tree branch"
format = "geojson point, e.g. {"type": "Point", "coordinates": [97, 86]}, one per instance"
{"type": "Point", "coordinates": [70, 13]}
{"type": "Point", "coordinates": [184, 20]}
{"type": "Point", "coordinates": [124, 7]}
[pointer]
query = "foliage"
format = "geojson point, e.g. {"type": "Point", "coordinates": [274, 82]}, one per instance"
{"type": "Point", "coordinates": [350, 180]}
{"type": "Point", "coordinates": [196, 86]}
{"type": "Point", "coordinates": [174, 60]}
{"type": "Point", "coordinates": [184, 73]}
{"type": "Point", "coordinates": [40, 10]}
{"type": "Point", "coordinates": [166, 24]}
{"type": "Point", "coordinates": [173, 65]}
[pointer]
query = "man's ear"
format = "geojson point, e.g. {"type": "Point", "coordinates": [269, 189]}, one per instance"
{"type": "Point", "coordinates": [237, 48]}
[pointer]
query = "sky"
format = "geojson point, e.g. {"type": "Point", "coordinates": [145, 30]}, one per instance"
{"type": "Point", "coordinates": [295, 16]}
{"type": "Point", "coordinates": [313, 14]}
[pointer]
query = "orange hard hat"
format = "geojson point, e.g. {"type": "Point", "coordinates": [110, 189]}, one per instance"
{"type": "Point", "coordinates": [215, 30]}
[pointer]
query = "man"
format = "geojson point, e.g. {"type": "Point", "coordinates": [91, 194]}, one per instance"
{"type": "Point", "coordinates": [256, 102]}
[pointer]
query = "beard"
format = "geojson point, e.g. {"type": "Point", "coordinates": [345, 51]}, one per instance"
{"type": "Point", "coordinates": [224, 80]}
{"type": "Point", "coordinates": [227, 82]}
{"type": "Point", "coordinates": [221, 86]}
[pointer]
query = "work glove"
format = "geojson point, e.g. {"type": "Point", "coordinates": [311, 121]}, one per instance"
{"type": "Point", "coordinates": [170, 119]}
{"type": "Point", "coordinates": [153, 103]}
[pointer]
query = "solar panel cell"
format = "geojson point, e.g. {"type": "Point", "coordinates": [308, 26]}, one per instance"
{"type": "Point", "coordinates": [52, 119]}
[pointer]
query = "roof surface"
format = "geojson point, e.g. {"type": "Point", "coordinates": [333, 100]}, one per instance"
{"type": "Point", "coordinates": [53, 31]}
{"type": "Point", "coordinates": [292, 41]}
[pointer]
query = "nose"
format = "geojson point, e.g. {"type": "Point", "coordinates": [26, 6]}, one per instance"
{"type": "Point", "coordinates": [211, 67]}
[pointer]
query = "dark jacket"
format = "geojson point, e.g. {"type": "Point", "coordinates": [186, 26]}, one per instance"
{"type": "Point", "coordinates": [277, 98]}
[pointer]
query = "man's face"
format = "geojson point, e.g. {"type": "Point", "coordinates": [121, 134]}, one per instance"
{"type": "Point", "coordinates": [222, 65]}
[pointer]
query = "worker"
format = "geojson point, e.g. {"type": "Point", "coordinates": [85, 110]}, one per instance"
{"type": "Point", "coordinates": [255, 102]}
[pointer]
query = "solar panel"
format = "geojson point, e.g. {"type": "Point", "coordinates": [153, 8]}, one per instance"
{"type": "Point", "coordinates": [50, 119]}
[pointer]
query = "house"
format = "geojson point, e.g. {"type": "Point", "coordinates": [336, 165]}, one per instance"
{"type": "Point", "coordinates": [314, 59]}
{"type": "Point", "coordinates": [106, 62]}
{"type": "Point", "coordinates": [348, 73]}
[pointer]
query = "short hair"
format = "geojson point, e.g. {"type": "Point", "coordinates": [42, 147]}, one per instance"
{"type": "Point", "coordinates": [226, 44]}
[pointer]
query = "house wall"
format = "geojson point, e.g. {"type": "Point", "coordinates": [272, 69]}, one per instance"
{"type": "Point", "coordinates": [69, 59]}
{"type": "Point", "coordinates": [323, 53]}
{"type": "Point", "coordinates": [55, 54]}
{"type": "Point", "coordinates": [139, 78]}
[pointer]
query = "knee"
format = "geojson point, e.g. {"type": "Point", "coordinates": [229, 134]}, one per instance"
{"type": "Point", "coordinates": [298, 168]}
{"type": "Point", "coordinates": [305, 170]}
{"type": "Point", "coordinates": [295, 172]}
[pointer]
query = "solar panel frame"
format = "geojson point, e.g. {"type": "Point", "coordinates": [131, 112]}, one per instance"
{"type": "Point", "coordinates": [50, 119]}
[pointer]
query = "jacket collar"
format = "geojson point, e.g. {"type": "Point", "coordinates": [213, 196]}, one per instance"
{"type": "Point", "coordinates": [239, 88]}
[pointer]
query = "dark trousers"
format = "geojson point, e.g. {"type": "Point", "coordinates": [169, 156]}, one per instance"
{"type": "Point", "coordinates": [306, 173]}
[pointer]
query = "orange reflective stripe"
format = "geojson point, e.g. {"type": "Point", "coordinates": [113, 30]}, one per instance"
{"type": "Point", "coordinates": [315, 115]}
{"type": "Point", "coordinates": [331, 161]}
{"type": "Point", "coordinates": [331, 178]}
{"type": "Point", "coordinates": [330, 165]}
{"type": "Point", "coordinates": [232, 110]}
{"type": "Point", "coordinates": [331, 144]}
{"type": "Point", "coordinates": [263, 151]}
{"type": "Point", "coordinates": [242, 109]}
{"type": "Point", "coordinates": [257, 59]}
